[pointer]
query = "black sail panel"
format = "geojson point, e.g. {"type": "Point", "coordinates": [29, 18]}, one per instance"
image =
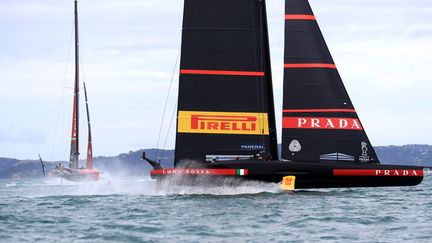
{"type": "Point", "coordinates": [319, 121]}
{"type": "Point", "coordinates": [225, 103]}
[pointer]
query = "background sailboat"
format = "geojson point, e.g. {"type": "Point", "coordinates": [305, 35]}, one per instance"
{"type": "Point", "coordinates": [74, 172]}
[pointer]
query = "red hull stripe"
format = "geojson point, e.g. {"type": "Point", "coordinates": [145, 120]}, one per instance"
{"type": "Point", "coordinates": [221, 72]}
{"type": "Point", "coordinates": [377, 172]}
{"type": "Point", "coordinates": [309, 65]}
{"type": "Point", "coordinates": [299, 17]}
{"type": "Point", "coordinates": [200, 171]}
{"type": "Point", "coordinates": [89, 171]}
{"type": "Point", "coordinates": [329, 123]}
{"type": "Point", "coordinates": [320, 110]}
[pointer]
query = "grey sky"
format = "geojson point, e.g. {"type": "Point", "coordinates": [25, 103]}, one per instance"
{"type": "Point", "coordinates": [383, 50]}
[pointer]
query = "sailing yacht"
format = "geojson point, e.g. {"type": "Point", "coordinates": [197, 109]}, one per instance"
{"type": "Point", "coordinates": [73, 172]}
{"type": "Point", "coordinates": [226, 117]}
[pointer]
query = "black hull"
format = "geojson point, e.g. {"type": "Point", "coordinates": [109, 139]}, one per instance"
{"type": "Point", "coordinates": [320, 175]}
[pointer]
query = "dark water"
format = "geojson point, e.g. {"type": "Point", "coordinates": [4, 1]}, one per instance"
{"type": "Point", "coordinates": [119, 210]}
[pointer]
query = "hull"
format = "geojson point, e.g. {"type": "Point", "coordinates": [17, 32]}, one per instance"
{"type": "Point", "coordinates": [308, 174]}
{"type": "Point", "coordinates": [76, 174]}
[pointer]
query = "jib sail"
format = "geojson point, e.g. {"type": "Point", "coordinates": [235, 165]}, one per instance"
{"type": "Point", "coordinates": [319, 120]}
{"type": "Point", "coordinates": [89, 164]}
{"type": "Point", "coordinates": [225, 104]}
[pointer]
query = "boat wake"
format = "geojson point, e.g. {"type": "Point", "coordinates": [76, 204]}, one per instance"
{"type": "Point", "coordinates": [123, 185]}
{"type": "Point", "coordinates": [106, 185]}
{"type": "Point", "coordinates": [9, 184]}
{"type": "Point", "coordinates": [213, 186]}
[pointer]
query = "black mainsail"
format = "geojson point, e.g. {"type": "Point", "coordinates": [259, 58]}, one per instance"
{"type": "Point", "coordinates": [319, 119]}
{"type": "Point", "coordinates": [226, 119]}
{"type": "Point", "coordinates": [225, 103]}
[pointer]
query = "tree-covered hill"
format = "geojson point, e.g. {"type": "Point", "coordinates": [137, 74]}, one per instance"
{"type": "Point", "coordinates": [131, 163]}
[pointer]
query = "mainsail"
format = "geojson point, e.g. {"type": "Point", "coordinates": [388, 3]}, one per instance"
{"type": "Point", "coordinates": [319, 121]}
{"type": "Point", "coordinates": [225, 103]}
{"type": "Point", "coordinates": [74, 152]}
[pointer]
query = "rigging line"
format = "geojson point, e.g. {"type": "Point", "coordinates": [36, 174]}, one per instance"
{"type": "Point", "coordinates": [63, 88]}
{"type": "Point", "coordinates": [82, 70]}
{"type": "Point", "coordinates": [166, 102]}
{"type": "Point", "coordinates": [169, 129]}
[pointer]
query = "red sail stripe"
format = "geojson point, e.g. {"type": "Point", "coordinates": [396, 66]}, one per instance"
{"type": "Point", "coordinates": [320, 110]}
{"type": "Point", "coordinates": [376, 172]}
{"type": "Point", "coordinates": [309, 65]}
{"type": "Point", "coordinates": [299, 17]}
{"type": "Point", "coordinates": [221, 72]}
{"type": "Point", "coordinates": [197, 171]}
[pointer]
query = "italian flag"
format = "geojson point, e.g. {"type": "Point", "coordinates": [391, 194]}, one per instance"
{"type": "Point", "coordinates": [241, 172]}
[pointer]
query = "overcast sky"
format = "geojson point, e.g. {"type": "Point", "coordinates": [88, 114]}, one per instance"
{"type": "Point", "coordinates": [129, 48]}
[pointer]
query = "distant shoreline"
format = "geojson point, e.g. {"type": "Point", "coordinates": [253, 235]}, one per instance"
{"type": "Point", "coordinates": [131, 164]}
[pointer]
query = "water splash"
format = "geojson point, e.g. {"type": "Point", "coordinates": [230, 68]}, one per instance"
{"type": "Point", "coordinates": [123, 185]}
{"type": "Point", "coordinates": [178, 184]}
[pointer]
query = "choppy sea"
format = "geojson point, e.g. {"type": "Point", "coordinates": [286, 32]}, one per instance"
{"type": "Point", "coordinates": [131, 210]}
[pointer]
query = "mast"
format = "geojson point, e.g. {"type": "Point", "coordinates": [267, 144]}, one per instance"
{"type": "Point", "coordinates": [74, 154]}
{"type": "Point", "coordinates": [267, 65]}
{"type": "Point", "coordinates": [89, 144]}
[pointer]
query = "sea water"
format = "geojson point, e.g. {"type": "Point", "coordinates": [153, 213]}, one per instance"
{"type": "Point", "coordinates": [132, 210]}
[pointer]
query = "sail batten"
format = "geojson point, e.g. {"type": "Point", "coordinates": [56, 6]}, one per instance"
{"type": "Point", "coordinates": [309, 65]}
{"type": "Point", "coordinates": [221, 72]}
{"type": "Point", "coordinates": [319, 110]}
{"type": "Point", "coordinates": [300, 17]}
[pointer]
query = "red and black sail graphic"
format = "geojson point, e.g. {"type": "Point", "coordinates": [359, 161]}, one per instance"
{"type": "Point", "coordinates": [74, 153]}
{"type": "Point", "coordinates": [319, 120]}
{"type": "Point", "coordinates": [73, 161]}
{"type": "Point", "coordinates": [89, 164]}
{"type": "Point", "coordinates": [225, 104]}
